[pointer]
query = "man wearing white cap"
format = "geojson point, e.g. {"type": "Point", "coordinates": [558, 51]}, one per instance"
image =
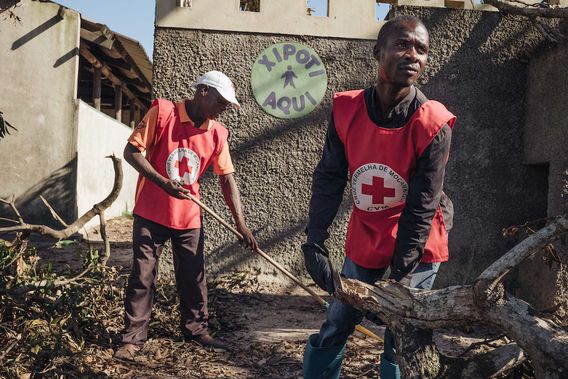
{"type": "Point", "coordinates": [180, 140]}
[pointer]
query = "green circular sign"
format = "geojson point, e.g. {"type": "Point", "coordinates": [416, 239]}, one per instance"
{"type": "Point", "coordinates": [288, 80]}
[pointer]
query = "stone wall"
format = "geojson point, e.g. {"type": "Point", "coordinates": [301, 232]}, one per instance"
{"type": "Point", "coordinates": [477, 68]}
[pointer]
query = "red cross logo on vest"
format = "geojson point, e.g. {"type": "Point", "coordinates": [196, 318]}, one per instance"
{"type": "Point", "coordinates": [377, 187]}
{"type": "Point", "coordinates": [183, 165]}
{"type": "Point", "coordinates": [378, 190]}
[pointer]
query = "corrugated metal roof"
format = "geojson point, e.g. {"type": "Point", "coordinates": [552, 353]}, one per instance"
{"type": "Point", "coordinates": [138, 54]}
{"type": "Point", "coordinates": [135, 53]}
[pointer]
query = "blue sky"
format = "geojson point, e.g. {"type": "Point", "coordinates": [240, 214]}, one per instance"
{"type": "Point", "coordinates": [135, 18]}
{"type": "Point", "coordinates": [320, 6]}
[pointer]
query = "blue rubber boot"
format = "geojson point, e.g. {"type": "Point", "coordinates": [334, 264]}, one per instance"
{"type": "Point", "coordinates": [389, 370]}
{"type": "Point", "coordinates": [322, 362]}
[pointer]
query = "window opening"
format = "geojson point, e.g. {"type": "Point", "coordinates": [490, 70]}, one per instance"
{"type": "Point", "coordinates": [317, 8]}
{"type": "Point", "coordinates": [249, 5]}
{"type": "Point", "coordinates": [382, 10]}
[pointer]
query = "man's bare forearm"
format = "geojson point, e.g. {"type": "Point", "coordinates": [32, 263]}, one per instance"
{"type": "Point", "coordinates": [233, 200]}
{"type": "Point", "coordinates": [232, 197]}
{"type": "Point", "coordinates": [135, 158]}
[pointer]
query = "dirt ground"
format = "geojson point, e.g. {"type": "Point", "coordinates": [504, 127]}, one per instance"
{"type": "Point", "coordinates": [266, 324]}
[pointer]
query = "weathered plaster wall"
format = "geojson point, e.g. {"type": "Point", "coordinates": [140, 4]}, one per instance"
{"type": "Point", "coordinates": [546, 131]}
{"type": "Point", "coordinates": [476, 68]}
{"type": "Point", "coordinates": [546, 143]}
{"type": "Point", "coordinates": [38, 76]}
{"type": "Point", "coordinates": [98, 136]}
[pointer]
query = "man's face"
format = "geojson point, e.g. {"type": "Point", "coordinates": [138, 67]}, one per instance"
{"type": "Point", "coordinates": [213, 103]}
{"type": "Point", "coordinates": [404, 55]}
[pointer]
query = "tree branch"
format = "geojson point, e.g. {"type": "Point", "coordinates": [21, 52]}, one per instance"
{"type": "Point", "coordinates": [9, 220]}
{"type": "Point", "coordinates": [79, 223]}
{"type": "Point", "coordinates": [13, 205]}
{"type": "Point", "coordinates": [22, 290]}
{"type": "Point", "coordinates": [509, 8]}
{"type": "Point", "coordinates": [104, 236]}
{"type": "Point", "coordinates": [406, 310]}
{"type": "Point", "coordinates": [53, 213]}
{"type": "Point", "coordinates": [545, 342]}
{"type": "Point", "coordinates": [492, 276]}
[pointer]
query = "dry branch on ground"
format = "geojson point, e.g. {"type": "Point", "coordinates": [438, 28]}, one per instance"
{"type": "Point", "coordinates": [69, 230]}
{"type": "Point", "coordinates": [72, 331]}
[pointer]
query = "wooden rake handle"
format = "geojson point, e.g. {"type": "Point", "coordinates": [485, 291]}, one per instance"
{"type": "Point", "coordinates": [276, 264]}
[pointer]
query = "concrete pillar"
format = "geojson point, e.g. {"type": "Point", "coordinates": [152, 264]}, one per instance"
{"type": "Point", "coordinates": [118, 102]}
{"type": "Point", "coordinates": [97, 89]}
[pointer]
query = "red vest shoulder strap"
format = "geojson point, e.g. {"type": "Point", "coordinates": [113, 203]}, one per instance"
{"type": "Point", "coordinates": [436, 112]}
{"type": "Point", "coordinates": [345, 106]}
{"type": "Point", "coordinates": [427, 122]}
{"type": "Point", "coordinates": [166, 109]}
{"type": "Point", "coordinates": [221, 133]}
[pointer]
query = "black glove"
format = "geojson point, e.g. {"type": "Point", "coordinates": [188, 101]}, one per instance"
{"type": "Point", "coordinates": [400, 277]}
{"type": "Point", "coordinates": [318, 265]}
{"type": "Point", "coordinates": [373, 318]}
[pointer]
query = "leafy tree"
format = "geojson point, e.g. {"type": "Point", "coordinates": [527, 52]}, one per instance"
{"type": "Point", "coordinates": [250, 5]}
{"type": "Point", "coordinates": [8, 11]}
{"type": "Point", "coordinates": [4, 125]}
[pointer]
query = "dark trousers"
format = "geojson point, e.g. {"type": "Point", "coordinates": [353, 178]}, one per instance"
{"type": "Point", "coordinates": [148, 241]}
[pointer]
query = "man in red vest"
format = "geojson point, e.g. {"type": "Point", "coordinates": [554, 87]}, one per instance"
{"type": "Point", "coordinates": [180, 140]}
{"type": "Point", "coordinates": [394, 143]}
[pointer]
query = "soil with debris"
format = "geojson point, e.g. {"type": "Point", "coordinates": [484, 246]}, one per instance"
{"type": "Point", "coordinates": [71, 330]}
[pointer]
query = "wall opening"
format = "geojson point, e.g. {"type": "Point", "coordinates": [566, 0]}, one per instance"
{"type": "Point", "coordinates": [538, 177]}
{"type": "Point", "coordinates": [317, 8]}
{"type": "Point", "coordinates": [184, 3]}
{"type": "Point", "coordinates": [249, 5]}
{"type": "Point", "coordinates": [382, 10]}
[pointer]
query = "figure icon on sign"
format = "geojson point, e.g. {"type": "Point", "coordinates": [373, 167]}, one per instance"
{"type": "Point", "coordinates": [289, 75]}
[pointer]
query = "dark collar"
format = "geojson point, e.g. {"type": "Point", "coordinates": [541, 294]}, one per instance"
{"type": "Point", "coordinates": [400, 115]}
{"type": "Point", "coordinates": [401, 107]}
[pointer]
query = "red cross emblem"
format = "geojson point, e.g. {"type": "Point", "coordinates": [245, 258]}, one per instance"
{"type": "Point", "coordinates": [378, 190]}
{"type": "Point", "coordinates": [183, 166]}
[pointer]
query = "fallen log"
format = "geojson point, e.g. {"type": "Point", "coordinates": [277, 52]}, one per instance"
{"type": "Point", "coordinates": [413, 314]}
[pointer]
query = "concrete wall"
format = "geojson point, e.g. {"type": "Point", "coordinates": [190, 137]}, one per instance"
{"type": "Point", "coordinates": [546, 143]}
{"type": "Point", "coordinates": [345, 19]}
{"type": "Point", "coordinates": [38, 73]}
{"type": "Point", "coordinates": [477, 67]}
{"type": "Point", "coordinates": [546, 131]}
{"type": "Point", "coordinates": [98, 136]}
{"type": "Point", "coordinates": [349, 19]}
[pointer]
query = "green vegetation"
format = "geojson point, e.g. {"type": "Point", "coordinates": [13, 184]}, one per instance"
{"type": "Point", "coordinates": [128, 214]}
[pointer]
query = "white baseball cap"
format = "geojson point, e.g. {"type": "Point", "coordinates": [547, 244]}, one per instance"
{"type": "Point", "coordinates": [221, 83]}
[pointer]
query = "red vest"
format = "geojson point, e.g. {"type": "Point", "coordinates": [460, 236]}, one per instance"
{"type": "Point", "coordinates": [183, 152]}
{"type": "Point", "coordinates": [381, 164]}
